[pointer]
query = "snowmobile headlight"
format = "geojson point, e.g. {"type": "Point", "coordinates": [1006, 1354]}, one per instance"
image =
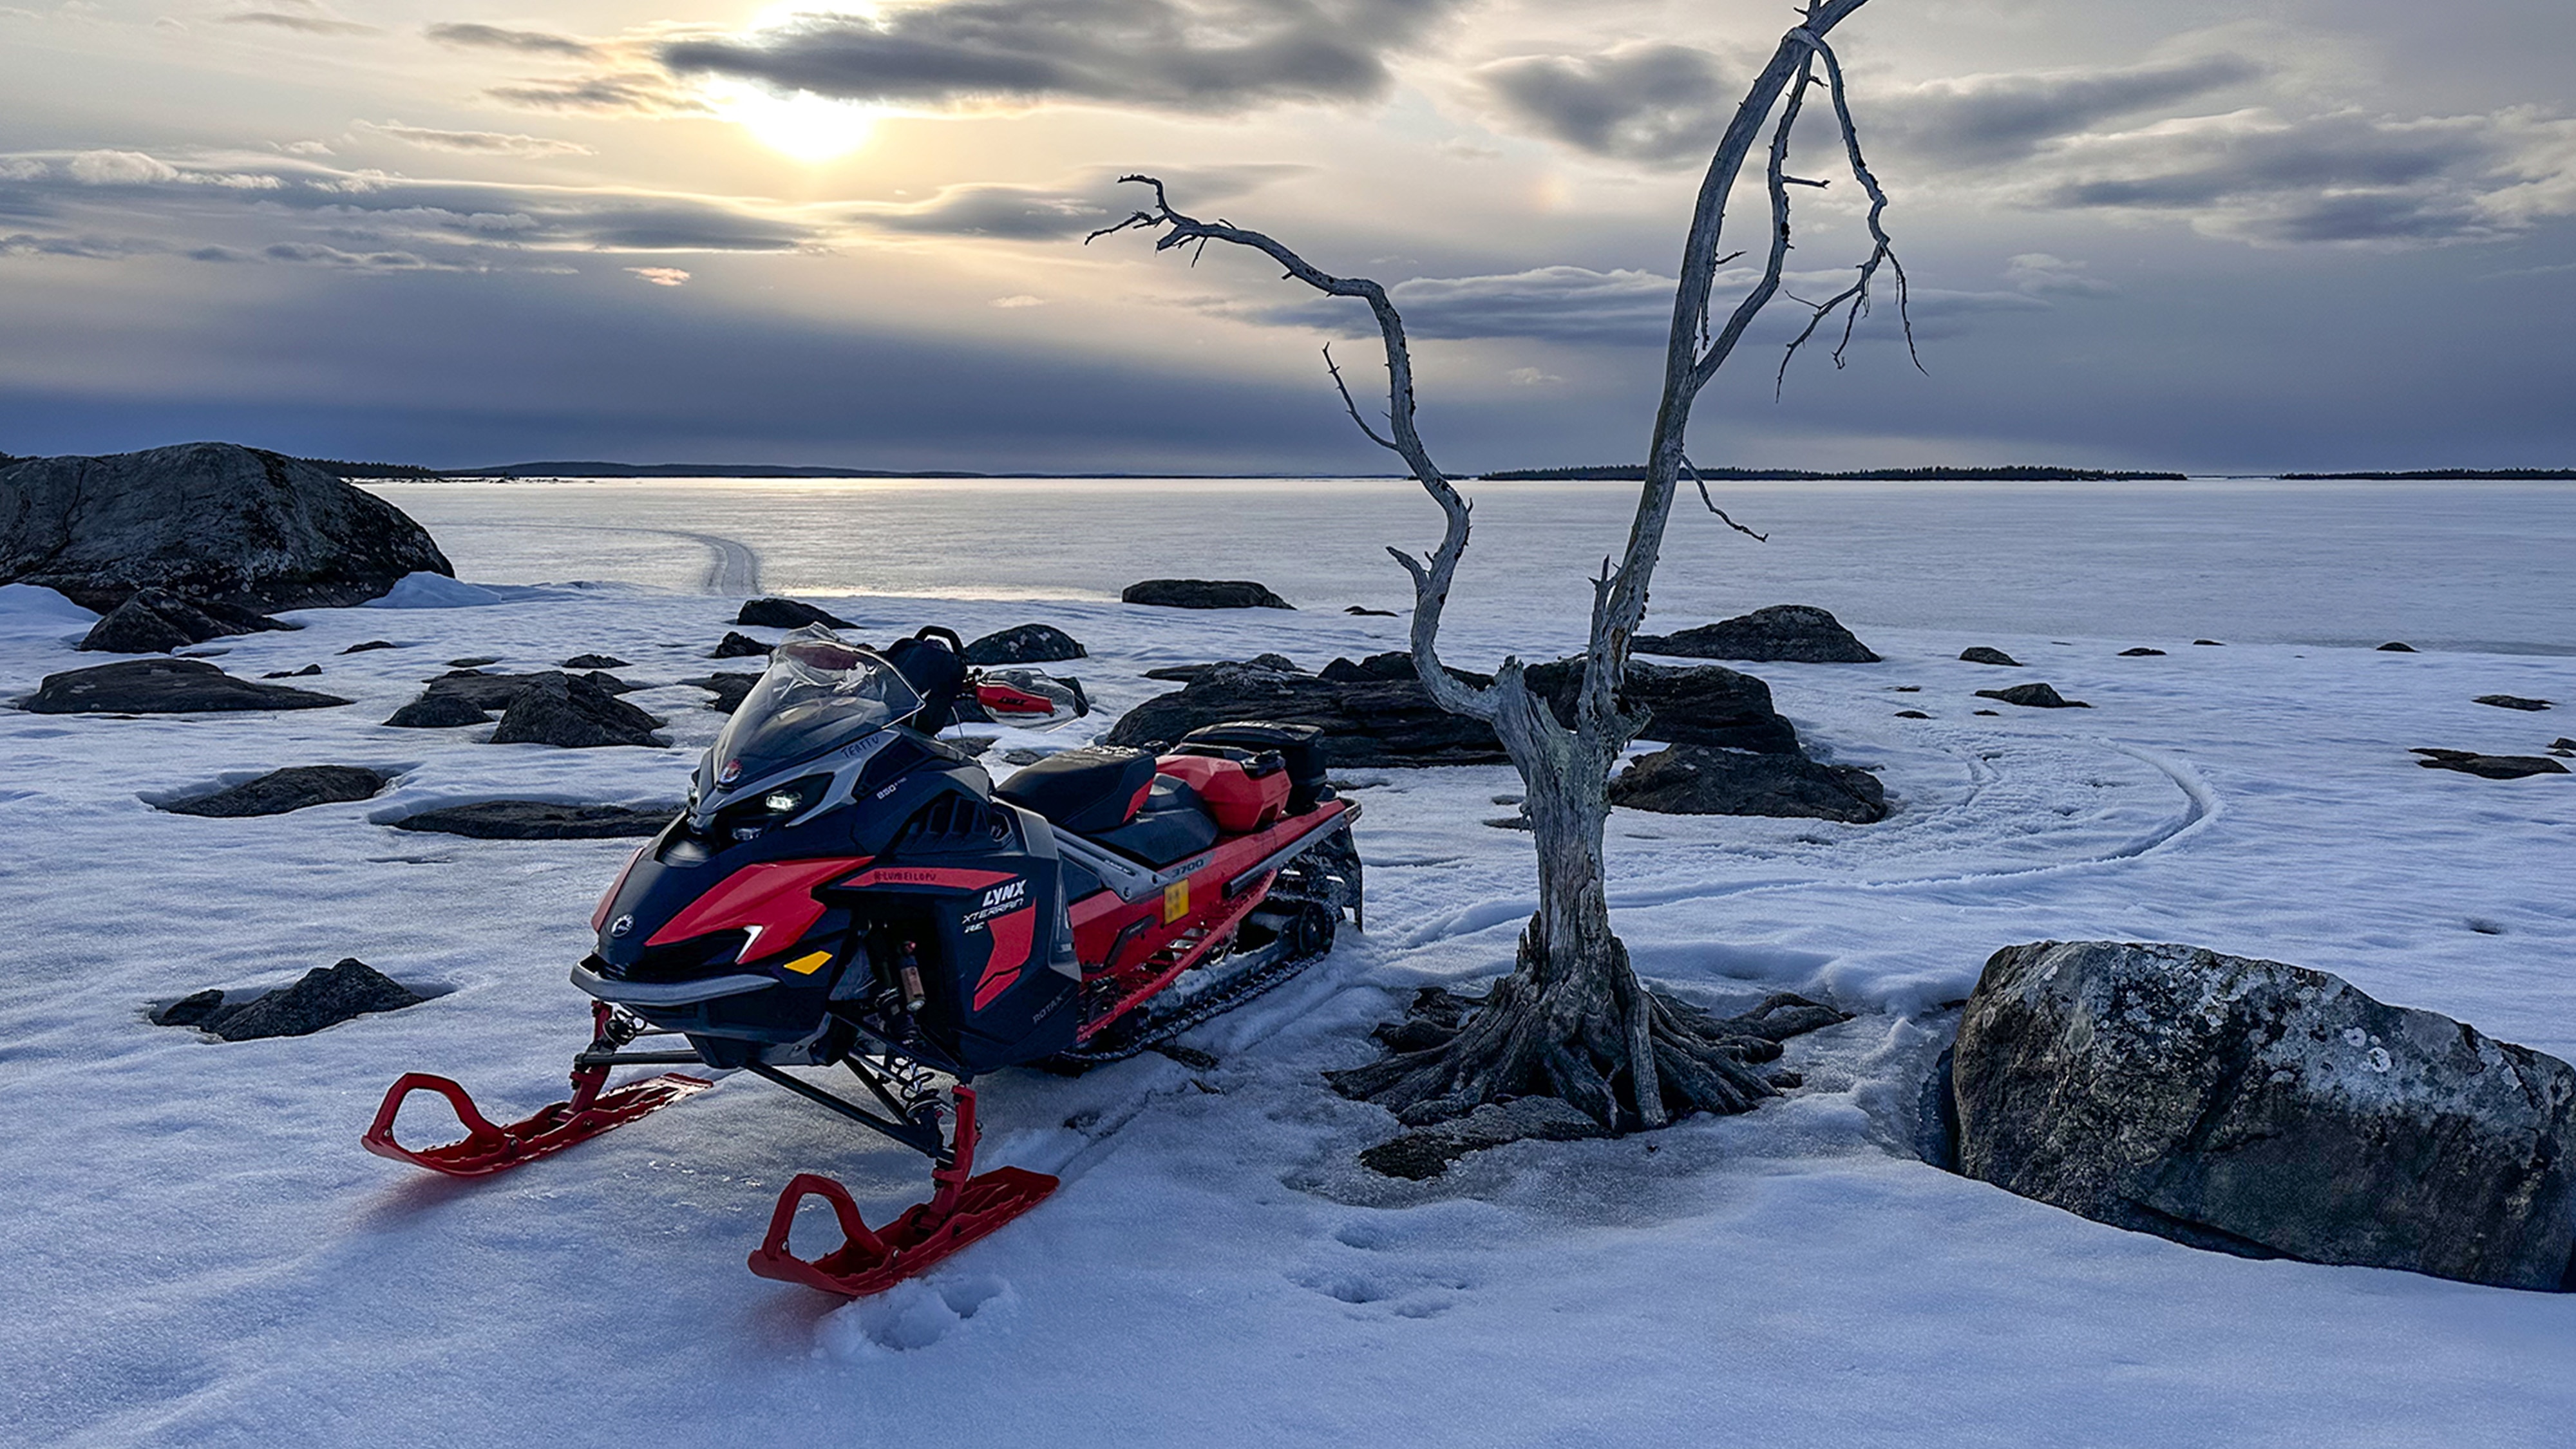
{"type": "Point", "coordinates": [783, 802]}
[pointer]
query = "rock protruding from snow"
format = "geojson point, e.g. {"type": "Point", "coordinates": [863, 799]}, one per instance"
{"type": "Point", "coordinates": [539, 820]}
{"type": "Point", "coordinates": [470, 696]}
{"type": "Point", "coordinates": [574, 712]}
{"type": "Point", "coordinates": [2142, 652]}
{"type": "Point", "coordinates": [1695, 780]}
{"type": "Point", "coordinates": [786, 614]}
{"type": "Point", "coordinates": [438, 712]}
{"type": "Point", "coordinates": [157, 621]}
{"type": "Point", "coordinates": [2492, 767]}
{"type": "Point", "coordinates": [2265, 1109]}
{"type": "Point", "coordinates": [212, 521]}
{"type": "Point", "coordinates": [1987, 654]}
{"type": "Point", "coordinates": [163, 686]}
{"type": "Point", "coordinates": [1389, 722]}
{"type": "Point", "coordinates": [1202, 594]}
{"type": "Point", "coordinates": [1697, 704]}
{"type": "Point", "coordinates": [2033, 696]}
{"type": "Point", "coordinates": [737, 645]}
{"type": "Point", "coordinates": [1026, 644]}
{"type": "Point", "coordinates": [2396, 646]}
{"type": "Point", "coordinates": [582, 661]}
{"type": "Point", "coordinates": [297, 787]}
{"type": "Point", "coordinates": [1782, 633]}
{"type": "Point", "coordinates": [728, 689]}
{"type": "Point", "coordinates": [2514, 701]}
{"type": "Point", "coordinates": [325, 996]}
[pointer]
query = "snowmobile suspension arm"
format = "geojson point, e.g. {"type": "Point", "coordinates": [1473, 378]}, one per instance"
{"type": "Point", "coordinates": [637, 1059]}
{"type": "Point", "coordinates": [924, 1139]}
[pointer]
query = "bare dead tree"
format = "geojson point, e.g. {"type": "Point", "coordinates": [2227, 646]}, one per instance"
{"type": "Point", "coordinates": [1573, 1020]}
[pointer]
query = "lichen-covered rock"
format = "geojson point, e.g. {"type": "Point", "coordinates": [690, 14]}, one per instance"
{"type": "Point", "coordinates": [786, 614]}
{"type": "Point", "coordinates": [1695, 780]}
{"type": "Point", "coordinates": [1025, 644]}
{"type": "Point", "coordinates": [157, 621]}
{"type": "Point", "coordinates": [539, 820]}
{"type": "Point", "coordinates": [1202, 594]}
{"type": "Point", "coordinates": [2265, 1109]}
{"type": "Point", "coordinates": [1783, 633]}
{"type": "Point", "coordinates": [163, 686]}
{"type": "Point", "coordinates": [213, 521]}
{"type": "Point", "coordinates": [297, 787]}
{"type": "Point", "coordinates": [573, 712]}
{"type": "Point", "coordinates": [2034, 695]}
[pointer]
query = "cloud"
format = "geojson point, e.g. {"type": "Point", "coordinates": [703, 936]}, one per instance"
{"type": "Point", "coordinates": [302, 24]}
{"type": "Point", "coordinates": [1650, 103]}
{"type": "Point", "coordinates": [483, 143]}
{"type": "Point", "coordinates": [662, 276]}
{"type": "Point", "coordinates": [1529, 377]}
{"type": "Point", "coordinates": [1559, 304]}
{"type": "Point", "coordinates": [2038, 274]}
{"type": "Point", "coordinates": [1987, 120]}
{"type": "Point", "coordinates": [1076, 207]}
{"type": "Point", "coordinates": [297, 209]}
{"type": "Point", "coordinates": [494, 37]}
{"type": "Point", "coordinates": [634, 92]}
{"type": "Point", "coordinates": [1017, 301]}
{"type": "Point", "coordinates": [1196, 56]}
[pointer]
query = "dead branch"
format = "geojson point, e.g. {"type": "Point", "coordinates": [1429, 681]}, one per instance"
{"type": "Point", "coordinates": [1720, 512]}
{"type": "Point", "coordinates": [1854, 299]}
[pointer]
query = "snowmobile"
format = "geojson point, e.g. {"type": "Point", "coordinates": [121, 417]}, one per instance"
{"type": "Point", "coordinates": [847, 889]}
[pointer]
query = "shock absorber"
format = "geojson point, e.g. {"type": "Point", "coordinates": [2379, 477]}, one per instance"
{"type": "Point", "coordinates": [908, 970]}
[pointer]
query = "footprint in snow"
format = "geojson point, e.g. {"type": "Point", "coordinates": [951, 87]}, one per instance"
{"type": "Point", "coordinates": [915, 1315]}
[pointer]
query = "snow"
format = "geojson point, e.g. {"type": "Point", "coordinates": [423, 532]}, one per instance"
{"type": "Point", "coordinates": [200, 1254]}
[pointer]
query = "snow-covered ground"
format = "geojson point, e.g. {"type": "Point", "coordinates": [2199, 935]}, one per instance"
{"type": "Point", "coordinates": [197, 1252]}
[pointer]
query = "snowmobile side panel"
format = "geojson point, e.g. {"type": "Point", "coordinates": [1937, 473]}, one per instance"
{"type": "Point", "coordinates": [773, 901]}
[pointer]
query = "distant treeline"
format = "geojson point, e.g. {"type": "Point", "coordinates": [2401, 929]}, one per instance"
{"type": "Point", "coordinates": [346, 469]}
{"type": "Point", "coordinates": [2437, 475]}
{"type": "Point", "coordinates": [1633, 472]}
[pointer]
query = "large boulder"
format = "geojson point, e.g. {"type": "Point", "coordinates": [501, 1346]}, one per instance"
{"type": "Point", "coordinates": [2265, 1109]}
{"type": "Point", "coordinates": [1026, 644]}
{"type": "Point", "coordinates": [1202, 594]}
{"type": "Point", "coordinates": [1783, 633]}
{"type": "Point", "coordinates": [163, 686]}
{"type": "Point", "coordinates": [1695, 780]}
{"type": "Point", "coordinates": [157, 621]}
{"type": "Point", "coordinates": [324, 996]}
{"type": "Point", "coordinates": [279, 791]}
{"type": "Point", "coordinates": [213, 521]}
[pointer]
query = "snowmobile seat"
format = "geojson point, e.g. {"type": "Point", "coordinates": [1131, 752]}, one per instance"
{"type": "Point", "coordinates": [1174, 825]}
{"type": "Point", "coordinates": [1089, 791]}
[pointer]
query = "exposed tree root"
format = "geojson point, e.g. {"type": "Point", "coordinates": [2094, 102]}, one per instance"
{"type": "Point", "coordinates": [1452, 1054]}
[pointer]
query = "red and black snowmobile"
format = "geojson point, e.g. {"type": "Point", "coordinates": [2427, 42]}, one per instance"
{"type": "Point", "coordinates": [847, 889]}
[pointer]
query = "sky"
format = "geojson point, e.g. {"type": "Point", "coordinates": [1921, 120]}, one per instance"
{"type": "Point", "coordinates": [2138, 233]}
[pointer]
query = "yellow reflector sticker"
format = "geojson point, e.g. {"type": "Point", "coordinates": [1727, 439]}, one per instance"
{"type": "Point", "coordinates": [808, 965]}
{"type": "Point", "coordinates": [1176, 900]}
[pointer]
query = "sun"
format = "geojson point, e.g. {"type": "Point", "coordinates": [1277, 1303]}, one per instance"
{"type": "Point", "coordinates": [802, 125]}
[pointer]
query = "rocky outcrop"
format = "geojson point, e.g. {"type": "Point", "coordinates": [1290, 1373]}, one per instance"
{"type": "Point", "coordinates": [438, 712]}
{"type": "Point", "coordinates": [786, 614]}
{"type": "Point", "coordinates": [2492, 767]}
{"type": "Point", "coordinates": [728, 689]}
{"type": "Point", "coordinates": [279, 791]}
{"type": "Point", "coordinates": [1700, 704]}
{"type": "Point", "coordinates": [540, 820]}
{"type": "Point", "coordinates": [585, 661]}
{"type": "Point", "coordinates": [325, 996]}
{"type": "Point", "coordinates": [1694, 780]}
{"type": "Point", "coordinates": [210, 521]}
{"type": "Point", "coordinates": [2265, 1109]}
{"type": "Point", "coordinates": [470, 696]}
{"type": "Point", "coordinates": [574, 712]}
{"type": "Point", "coordinates": [1202, 594]}
{"type": "Point", "coordinates": [2033, 696]}
{"type": "Point", "coordinates": [157, 621]}
{"type": "Point", "coordinates": [163, 686]}
{"type": "Point", "coordinates": [736, 645]}
{"type": "Point", "coordinates": [1026, 644]}
{"type": "Point", "coordinates": [1986, 654]}
{"type": "Point", "coordinates": [1783, 633]}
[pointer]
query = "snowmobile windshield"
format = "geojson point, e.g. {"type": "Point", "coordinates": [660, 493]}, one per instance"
{"type": "Point", "coordinates": [819, 693]}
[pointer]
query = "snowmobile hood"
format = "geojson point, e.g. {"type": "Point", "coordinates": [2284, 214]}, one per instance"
{"type": "Point", "coordinates": [820, 694]}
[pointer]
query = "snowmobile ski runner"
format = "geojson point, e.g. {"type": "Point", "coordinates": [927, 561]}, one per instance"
{"type": "Point", "coordinates": [844, 888]}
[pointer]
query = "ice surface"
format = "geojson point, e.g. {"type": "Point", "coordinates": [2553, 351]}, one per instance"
{"type": "Point", "coordinates": [199, 1253]}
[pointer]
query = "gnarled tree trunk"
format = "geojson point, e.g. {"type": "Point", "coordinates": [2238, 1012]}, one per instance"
{"type": "Point", "coordinates": [1573, 1020]}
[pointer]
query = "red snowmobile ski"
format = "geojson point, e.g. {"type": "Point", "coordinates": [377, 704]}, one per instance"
{"type": "Point", "coordinates": [846, 889]}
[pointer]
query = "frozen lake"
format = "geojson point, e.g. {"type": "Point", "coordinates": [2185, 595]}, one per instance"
{"type": "Point", "coordinates": [2449, 566]}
